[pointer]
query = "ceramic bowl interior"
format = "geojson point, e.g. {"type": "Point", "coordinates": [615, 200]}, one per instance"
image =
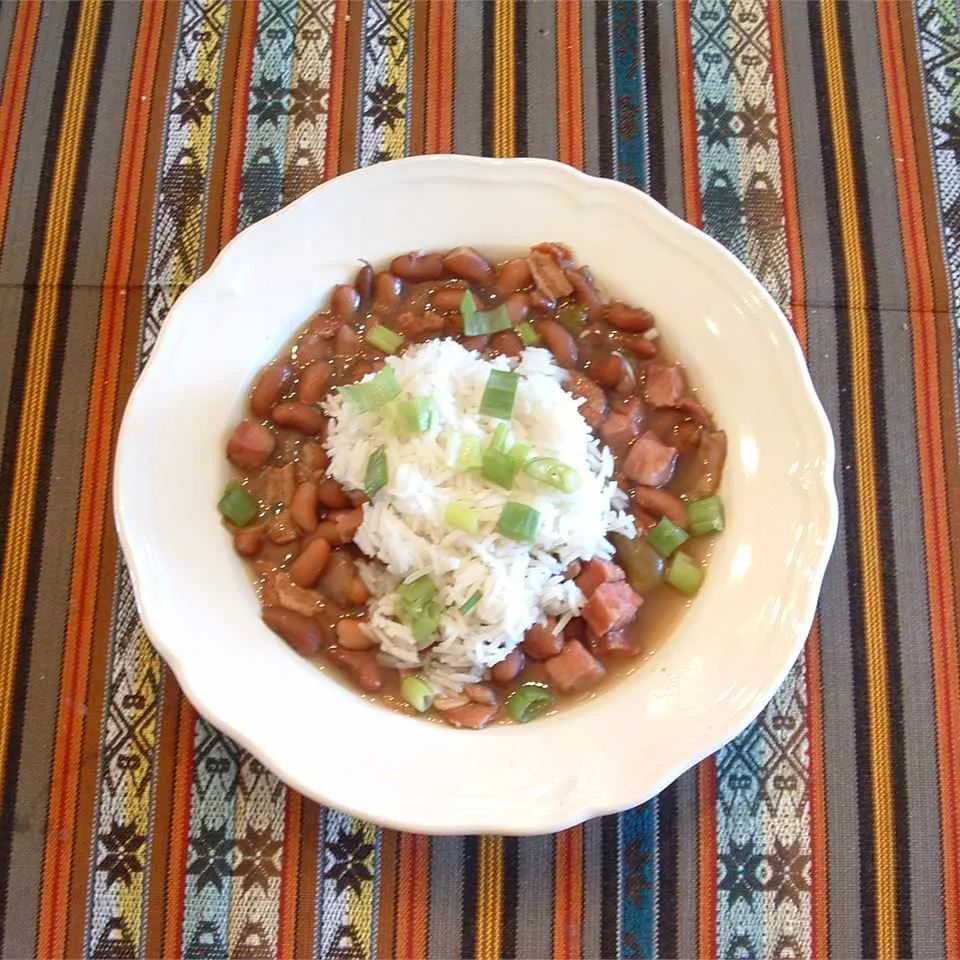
{"type": "Point", "coordinates": [708, 680]}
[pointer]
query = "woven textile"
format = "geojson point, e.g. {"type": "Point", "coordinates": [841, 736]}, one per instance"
{"type": "Point", "coordinates": [819, 142]}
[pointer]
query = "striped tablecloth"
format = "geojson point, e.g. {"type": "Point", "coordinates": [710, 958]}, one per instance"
{"type": "Point", "coordinates": [819, 142]}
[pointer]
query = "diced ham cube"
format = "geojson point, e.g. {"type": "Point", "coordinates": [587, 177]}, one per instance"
{"type": "Point", "coordinates": [414, 325]}
{"type": "Point", "coordinates": [598, 571]}
{"type": "Point", "coordinates": [250, 445]}
{"type": "Point", "coordinates": [541, 642]}
{"type": "Point", "coordinates": [280, 591]}
{"type": "Point", "coordinates": [594, 410]}
{"type": "Point", "coordinates": [610, 606]}
{"type": "Point", "coordinates": [664, 385]}
{"type": "Point", "coordinates": [574, 668]}
{"type": "Point", "coordinates": [471, 715]}
{"type": "Point", "coordinates": [660, 503]}
{"type": "Point", "coordinates": [622, 642]}
{"type": "Point", "coordinates": [548, 275]}
{"type": "Point", "coordinates": [618, 430]}
{"type": "Point", "coordinates": [650, 462]}
{"type": "Point", "coordinates": [280, 485]}
{"type": "Point", "coordinates": [361, 665]}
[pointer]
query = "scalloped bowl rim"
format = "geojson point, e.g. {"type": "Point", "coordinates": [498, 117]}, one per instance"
{"type": "Point", "coordinates": [574, 794]}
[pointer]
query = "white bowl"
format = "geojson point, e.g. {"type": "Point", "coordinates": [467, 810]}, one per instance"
{"type": "Point", "coordinates": [712, 676]}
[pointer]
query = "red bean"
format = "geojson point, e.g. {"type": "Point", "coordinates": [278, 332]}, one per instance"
{"type": "Point", "coordinates": [362, 667]}
{"type": "Point", "coordinates": [341, 525]}
{"type": "Point", "coordinates": [447, 299]}
{"type": "Point", "coordinates": [514, 275]}
{"type": "Point", "coordinates": [467, 263]}
{"type": "Point", "coordinates": [345, 344]}
{"type": "Point", "coordinates": [414, 325]}
{"type": "Point", "coordinates": [303, 507]}
{"type": "Point", "coordinates": [310, 348]}
{"type": "Point", "coordinates": [418, 266]}
{"type": "Point", "coordinates": [363, 282]}
{"type": "Point", "coordinates": [560, 252]}
{"type": "Point", "coordinates": [387, 290]}
{"type": "Point", "coordinates": [558, 341]}
{"type": "Point", "coordinates": [518, 306]}
{"type": "Point", "coordinates": [314, 382]}
{"type": "Point", "coordinates": [352, 636]}
{"type": "Point", "coordinates": [660, 503]}
{"type": "Point", "coordinates": [540, 303]}
{"type": "Point", "coordinates": [250, 445]}
{"type": "Point", "coordinates": [473, 716]}
{"type": "Point", "coordinates": [507, 343]}
{"type": "Point", "coordinates": [299, 416]}
{"type": "Point", "coordinates": [332, 495]}
{"type": "Point", "coordinates": [313, 461]}
{"type": "Point", "coordinates": [631, 319]}
{"type": "Point", "coordinates": [639, 345]}
{"type": "Point", "coordinates": [481, 693]}
{"type": "Point", "coordinates": [247, 542]}
{"type": "Point", "coordinates": [608, 371]}
{"type": "Point", "coordinates": [306, 569]}
{"type": "Point", "coordinates": [586, 293]}
{"type": "Point", "coordinates": [269, 388]}
{"type": "Point", "coordinates": [478, 343]}
{"type": "Point", "coordinates": [304, 634]}
{"type": "Point", "coordinates": [509, 667]}
{"type": "Point", "coordinates": [344, 302]}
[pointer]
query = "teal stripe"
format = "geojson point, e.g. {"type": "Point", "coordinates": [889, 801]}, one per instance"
{"type": "Point", "coordinates": [630, 96]}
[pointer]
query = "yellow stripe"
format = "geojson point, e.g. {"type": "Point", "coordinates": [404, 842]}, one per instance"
{"type": "Point", "coordinates": [489, 898]}
{"type": "Point", "coordinates": [504, 101]}
{"type": "Point", "coordinates": [30, 431]}
{"type": "Point", "coordinates": [395, 139]}
{"type": "Point", "coordinates": [886, 908]}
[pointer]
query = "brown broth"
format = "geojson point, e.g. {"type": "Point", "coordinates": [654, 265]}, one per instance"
{"type": "Point", "coordinates": [349, 357]}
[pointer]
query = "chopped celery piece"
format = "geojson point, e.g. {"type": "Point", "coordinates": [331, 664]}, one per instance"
{"type": "Point", "coordinates": [498, 442]}
{"type": "Point", "coordinates": [470, 454]}
{"type": "Point", "coordinates": [554, 473]}
{"type": "Point", "coordinates": [237, 506]}
{"type": "Point", "coordinates": [705, 516]}
{"type": "Point", "coordinates": [518, 521]}
{"type": "Point", "coordinates": [485, 322]}
{"type": "Point", "coordinates": [375, 478]}
{"type": "Point", "coordinates": [498, 468]}
{"type": "Point", "coordinates": [666, 536]}
{"type": "Point", "coordinates": [528, 334]}
{"type": "Point", "coordinates": [373, 393]}
{"type": "Point", "coordinates": [468, 605]}
{"type": "Point", "coordinates": [499, 394]}
{"type": "Point", "coordinates": [383, 338]}
{"type": "Point", "coordinates": [416, 414]}
{"type": "Point", "coordinates": [462, 516]}
{"type": "Point", "coordinates": [529, 701]}
{"type": "Point", "coordinates": [683, 574]}
{"type": "Point", "coordinates": [468, 309]}
{"type": "Point", "coordinates": [417, 692]}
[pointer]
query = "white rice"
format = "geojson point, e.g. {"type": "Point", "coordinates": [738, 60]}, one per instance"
{"type": "Point", "coordinates": [403, 527]}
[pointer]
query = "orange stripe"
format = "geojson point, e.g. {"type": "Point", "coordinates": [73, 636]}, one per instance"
{"type": "Point", "coordinates": [568, 894]}
{"type": "Point", "coordinates": [707, 859]}
{"type": "Point", "coordinates": [238, 124]}
{"type": "Point", "coordinates": [176, 879]}
{"type": "Point", "coordinates": [943, 626]}
{"type": "Point", "coordinates": [338, 55]}
{"type": "Point", "coordinates": [14, 96]}
{"type": "Point", "coordinates": [688, 116]}
{"type": "Point", "coordinates": [289, 876]}
{"type": "Point", "coordinates": [93, 490]}
{"type": "Point", "coordinates": [569, 85]}
{"type": "Point", "coordinates": [440, 46]}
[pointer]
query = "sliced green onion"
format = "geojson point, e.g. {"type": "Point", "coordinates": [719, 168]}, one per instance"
{"type": "Point", "coordinates": [468, 309]}
{"type": "Point", "coordinates": [419, 609]}
{"type": "Point", "coordinates": [498, 468]}
{"type": "Point", "coordinates": [383, 338]}
{"type": "Point", "coordinates": [499, 394]}
{"type": "Point", "coordinates": [705, 516]}
{"type": "Point", "coordinates": [666, 536]}
{"type": "Point", "coordinates": [373, 393]}
{"type": "Point", "coordinates": [468, 605]}
{"type": "Point", "coordinates": [529, 701]}
{"type": "Point", "coordinates": [573, 317]}
{"type": "Point", "coordinates": [418, 693]}
{"type": "Point", "coordinates": [518, 522]}
{"type": "Point", "coordinates": [528, 334]}
{"type": "Point", "coordinates": [375, 478]}
{"type": "Point", "coordinates": [521, 452]}
{"type": "Point", "coordinates": [237, 506]}
{"type": "Point", "coordinates": [554, 473]}
{"type": "Point", "coordinates": [461, 516]}
{"type": "Point", "coordinates": [416, 415]}
{"type": "Point", "coordinates": [484, 322]}
{"type": "Point", "coordinates": [683, 574]}
{"type": "Point", "coordinates": [499, 442]}
{"type": "Point", "coordinates": [470, 454]}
